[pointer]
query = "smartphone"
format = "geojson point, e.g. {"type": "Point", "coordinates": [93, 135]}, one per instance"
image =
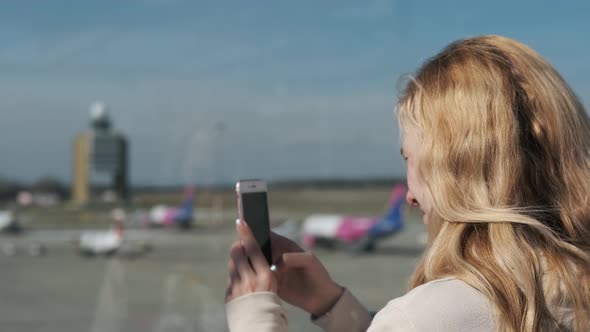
{"type": "Point", "coordinates": [253, 208]}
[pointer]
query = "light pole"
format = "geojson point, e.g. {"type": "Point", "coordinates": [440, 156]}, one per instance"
{"type": "Point", "coordinates": [218, 172]}
{"type": "Point", "coordinates": [219, 160]}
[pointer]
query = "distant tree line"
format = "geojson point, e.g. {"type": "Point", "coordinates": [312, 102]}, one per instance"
{"type": "Point", "coordinates": [49, 184]}
{"type": "Point", "coordinates": [315, 183]}
{"type": "Point", "coordinates": [9, 189]}
{"type": "Point", "coordinates": [332, 183]}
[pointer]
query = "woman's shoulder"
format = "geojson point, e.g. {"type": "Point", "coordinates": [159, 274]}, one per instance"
{"type": "Point", "coordinates": [449, 289]}
{"type": "Point", "coordinates": [447, 304]}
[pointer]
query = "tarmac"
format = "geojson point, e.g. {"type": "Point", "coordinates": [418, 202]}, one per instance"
{"type": "Point", "coordinates": [177, 285]}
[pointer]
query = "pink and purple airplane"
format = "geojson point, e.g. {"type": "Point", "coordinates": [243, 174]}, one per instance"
{"type": "Point", "coordinates": [168, 216]}
{"type": "Point", "coordinates": [355, 233]}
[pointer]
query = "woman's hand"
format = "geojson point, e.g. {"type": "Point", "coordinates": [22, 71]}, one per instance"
{"type": "Point", "coordinates": [302, 279]}
{"type": "Point", "coordinates": [299, 277]}
{"type": "Point", "coordinates": [248, 270]}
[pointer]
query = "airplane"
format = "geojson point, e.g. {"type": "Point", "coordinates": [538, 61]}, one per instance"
{"type": "Point", "coordinates": [167, 216]}
{"type": "Point", "coordinates": [88, 243]}
{"type": "Point", "coordinates": [9, 223]}
{"type": "Point", "coordinates": [358, 234]}
{"type": "Point", "coordinates": [105, 243]}
{"type": "Point", "coordinates": [113, 241]}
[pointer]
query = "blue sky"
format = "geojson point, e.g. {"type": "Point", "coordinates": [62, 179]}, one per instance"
{"type": "Point", "coordinates": [303, 88]}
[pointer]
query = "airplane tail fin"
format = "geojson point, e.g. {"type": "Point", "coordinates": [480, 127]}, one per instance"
{"type": "Point", "coordinates": [119, 228]}
{"type": "Point", "coordinates": [186, 210]}
{"type": "Point", "coordinates": [398, 194]}
{"type": "Point", "coordinates": [393, 220]}
{"type": "Point", "coordinates": [188, 199]}
{"type": "Point", "coordinates": [396, 201]}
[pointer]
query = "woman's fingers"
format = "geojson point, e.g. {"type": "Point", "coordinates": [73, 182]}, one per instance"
{"type": "Point", "coordinates": [248, 270]}
{"type": "Point", "coordinates": [240, 260]}
{"type": "Point", "coordinates": [255, 255]}
{"type": "Point", "coordinates": [233, 275]}
{"type": "Point", "coordinates": [228, 291]}
{"type": "Point", "coordinates": [233, 278]}
{"type": "Point", "coordinates": [252, 248]}
{"type": "Point", "coordinates": [242, 228]}
{"type": "Point", "coordinates": [281, 245]}
{"type": "Point", "coordinates": [297, 260]}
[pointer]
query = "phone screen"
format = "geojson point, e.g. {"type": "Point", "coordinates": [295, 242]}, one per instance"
{"type": "Point", "coordinates": [255, 208]}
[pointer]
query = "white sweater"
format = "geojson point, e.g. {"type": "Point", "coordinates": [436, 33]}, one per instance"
{"type": "Point", "coordinates": [446, 304]}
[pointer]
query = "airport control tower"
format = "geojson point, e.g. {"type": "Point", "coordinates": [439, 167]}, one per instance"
{"type": "Point", "coordinates": [102, 150]}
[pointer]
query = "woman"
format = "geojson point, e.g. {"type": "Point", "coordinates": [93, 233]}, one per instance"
{"type": "Point", "coordinates": [498, 160]}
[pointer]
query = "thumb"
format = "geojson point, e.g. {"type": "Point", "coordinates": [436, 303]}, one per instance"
{"type": "Point", "coordinates": [242, 228]}
{"type": "Point", "coordinates": [297, 260]}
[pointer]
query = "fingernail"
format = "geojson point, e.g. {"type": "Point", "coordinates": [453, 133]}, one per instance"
{"type": "Point", "coordinates": [279, 261]}
{"type": "Point", "coordinates": [273, 268]}
{"type": "Point", "coordinates": [237, 222]}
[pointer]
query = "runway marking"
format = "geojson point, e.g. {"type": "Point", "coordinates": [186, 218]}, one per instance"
{"type": "Point", "coordinates": [112, 304]}
{"type": "Point", "coordinates": [188, 305]}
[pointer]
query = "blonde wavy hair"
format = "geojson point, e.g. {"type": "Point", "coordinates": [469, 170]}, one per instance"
{"type": "Point", "coordinates": [505, 156]}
